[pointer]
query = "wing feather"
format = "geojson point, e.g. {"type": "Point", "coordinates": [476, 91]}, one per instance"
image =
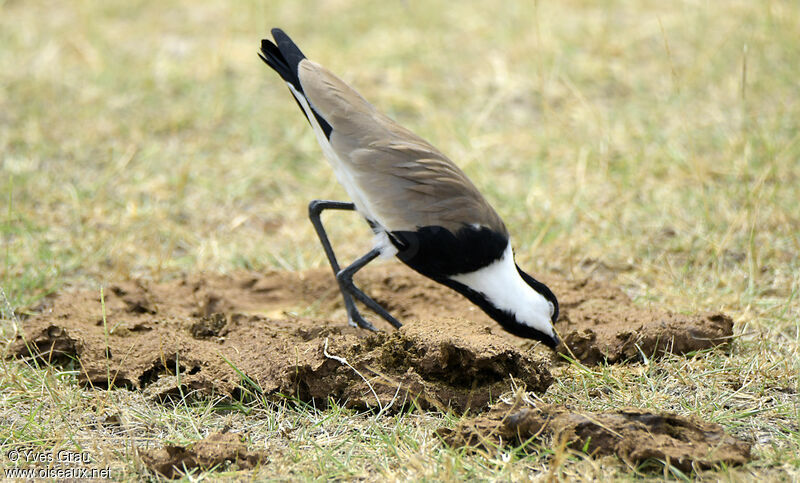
{"type": "Point", "coordinates": [407, 182]}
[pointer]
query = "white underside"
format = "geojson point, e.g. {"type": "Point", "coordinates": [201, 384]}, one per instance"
{"type": "Point", "coordinates": [346, 179]}
{"type": "Point", "coordinates": [502, 285]}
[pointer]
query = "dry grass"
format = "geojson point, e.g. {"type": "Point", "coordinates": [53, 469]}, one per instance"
{"type": "Point", "coordinates": [655, 144]}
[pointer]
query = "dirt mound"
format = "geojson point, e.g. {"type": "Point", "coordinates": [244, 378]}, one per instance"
{"type": "Point", "coordinates": [210, 335]}
{"type": "Point", "coordinates": [600, 324]}
{"type": "Point", "coordinates": [632, 434]}
{"type": "Point", "coordinates": [217, 449]}
{"type": "Point", "coordinates": [220, 334]}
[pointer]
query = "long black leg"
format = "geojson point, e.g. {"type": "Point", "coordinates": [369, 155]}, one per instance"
{"type": "Point", "coordinates": [345, 278]}
{"type": "Point", "coordinates": [315, 208]}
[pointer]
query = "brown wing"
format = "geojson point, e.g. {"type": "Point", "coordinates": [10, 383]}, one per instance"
{"type": "Point", "coordinates": [407, 182]}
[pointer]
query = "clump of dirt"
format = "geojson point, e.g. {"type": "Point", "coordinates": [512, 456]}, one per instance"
{"type": "Point", "coordinates": [173, 461]}
{"type": "Point", "coordinates": [209, 333]}
{"type": "Point", "coordinates": [634, 435]}
{"type": "Point", "coordinates": [601, 324]}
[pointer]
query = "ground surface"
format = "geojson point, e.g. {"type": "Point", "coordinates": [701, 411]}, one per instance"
{"type": "Point", "coordinates": [645, 157]}
{"type": "Point", "coordinates": [213, 336]}
{"type": "Point", "coordinates": [203, 331]}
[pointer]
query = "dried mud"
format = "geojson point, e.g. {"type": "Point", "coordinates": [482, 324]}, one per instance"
{"type": "Point", "coordinates": [599, 323]}
{"type": "Point", "coordinates": [215, 450]}
{"type": "Point", "coordinates": [224, 334]}
{"type": "Point", "coordinates": [634, 435]}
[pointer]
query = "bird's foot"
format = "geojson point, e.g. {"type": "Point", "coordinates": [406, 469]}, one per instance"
{"type": "Point", "coordinates": [355, 319]}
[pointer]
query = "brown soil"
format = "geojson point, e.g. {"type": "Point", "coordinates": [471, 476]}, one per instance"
{"type": "Point", "coordinates": [216, 333]}
{"type": "Point", "coordinates": [215, 450]}
{"type": "Point", "coordinates": [632, 434]}
{"type": "Point", "coordinates": [599, 323]}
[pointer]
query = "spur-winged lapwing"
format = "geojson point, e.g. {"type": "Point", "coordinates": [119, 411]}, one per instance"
{"type": "Point", "coordinates": [420, 205]}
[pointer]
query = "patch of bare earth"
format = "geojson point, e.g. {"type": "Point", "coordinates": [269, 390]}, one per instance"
{"type": "Point", "coordinates": [224, 334]}
{"type": "Point", "coordinates": [203, 333]}
{"type": "Point", "coordinates": [632, 434]}
{"type": "Point", "coordinates": [599, 323]}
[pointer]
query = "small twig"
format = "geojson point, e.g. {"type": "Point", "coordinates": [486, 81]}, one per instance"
{"type": "Point", "coordinates": [391, 403]}
{"type": "Point", "coordinates": [385, 380]}
{"type": "Point", "coordinates": [645, 359]}
{"type": "Point", "coordinates": [564, 343]}
{"type": "Point", "coordinates": [342, 360]}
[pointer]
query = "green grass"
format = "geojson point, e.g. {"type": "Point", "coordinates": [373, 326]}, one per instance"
{"type": "Point", "coordinates": [655, 144]}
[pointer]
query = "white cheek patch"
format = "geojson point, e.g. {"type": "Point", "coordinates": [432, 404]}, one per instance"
{"type": "Point", "coordinates": [504, 288]}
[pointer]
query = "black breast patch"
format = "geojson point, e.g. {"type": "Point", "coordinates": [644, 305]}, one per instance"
{"type": "Point", "coordinates": [436, 252]}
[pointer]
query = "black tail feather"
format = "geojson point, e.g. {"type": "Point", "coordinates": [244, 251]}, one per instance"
{"type": "Point", "coordinates": [291, 52]}
{"type": "Point", "coordinates": [273, 58]}
{"type": "Point", "coordinates": [284, 56]}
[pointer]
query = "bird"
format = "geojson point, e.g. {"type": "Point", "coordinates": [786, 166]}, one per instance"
{"type": "Point", "coordinates": [420, 206]}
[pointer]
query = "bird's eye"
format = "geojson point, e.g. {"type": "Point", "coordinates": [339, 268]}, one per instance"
{"type": "Point", "coordinates": [552, 308]}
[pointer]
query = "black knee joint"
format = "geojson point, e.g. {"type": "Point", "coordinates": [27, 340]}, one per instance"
{"type": "Point", "coordinates": [344, 277]}
{"type": "Point", "coordinates": [314, 209]}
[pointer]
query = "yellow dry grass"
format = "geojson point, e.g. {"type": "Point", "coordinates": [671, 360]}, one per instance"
{"type": "Point", "coordinates": [653, 144]}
